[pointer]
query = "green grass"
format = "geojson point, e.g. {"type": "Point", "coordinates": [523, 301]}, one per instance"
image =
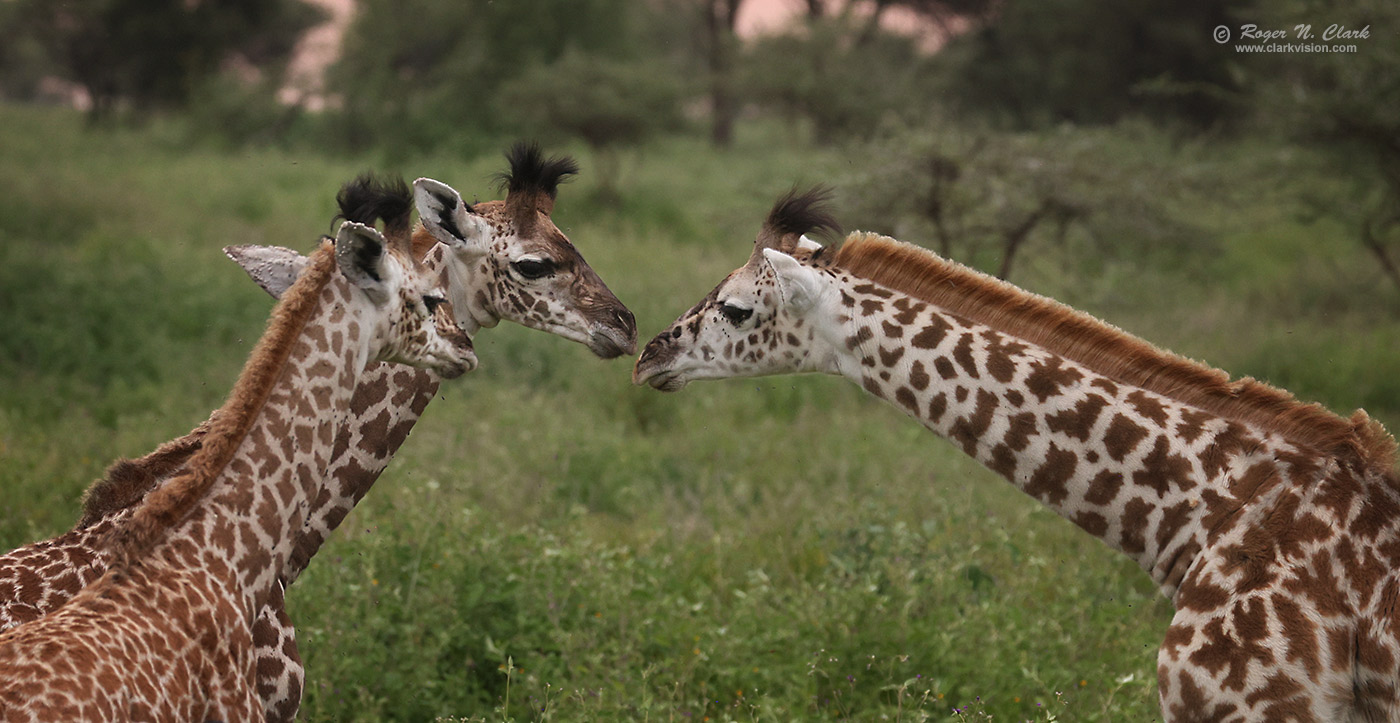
{"type": "Point", "coordinates": [554, 544]}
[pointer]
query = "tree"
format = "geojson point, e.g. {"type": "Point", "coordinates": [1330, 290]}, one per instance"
{"type": "Point", "coordinates": [152, 54]}
{"type": "Point", "coordinates": [844, 83]}
{"type": "Point", "coordinates": [1347, 103]}
{"type": "Point", "coordinates": [1096, 61]}
{"type": "Point", "coordinates": [721, 41]}
{"type": "Point", "coordinates": [987, 199]}
{"type": "Point", "coordinates": [415, 74]}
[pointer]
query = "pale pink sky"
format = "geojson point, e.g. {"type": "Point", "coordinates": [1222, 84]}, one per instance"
{"type": "Point", "coordinates": [758, 17]}
{"type": "Point", "coordinates": [761, 17]}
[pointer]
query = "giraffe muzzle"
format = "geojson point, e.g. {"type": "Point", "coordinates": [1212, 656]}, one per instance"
{"type": "Point", "coordinates": [615, 335]}
{"type": "Point", "coordinates": [652, 367]}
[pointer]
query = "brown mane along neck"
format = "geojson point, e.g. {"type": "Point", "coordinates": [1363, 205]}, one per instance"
{"type": "Point", "coordinates": [167, 505]}
{"type": "Point", "coordinates": [1108, 350]}
{"type": "Point", "coordinates": [126, 481]}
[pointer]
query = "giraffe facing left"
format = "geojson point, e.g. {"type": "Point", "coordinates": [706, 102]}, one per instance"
{"type": "Point", "coordinates": [1271, 524]}
{"type": "Point", "coordinates": [166, 633]}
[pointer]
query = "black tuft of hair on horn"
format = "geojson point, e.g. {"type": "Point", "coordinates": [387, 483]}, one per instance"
{"type": "Point", "coordinates": [369, 198]}
{"type": "Point", "coordinates": [805, 212]}
{"type": "Point", "coordinates": [530, 171]}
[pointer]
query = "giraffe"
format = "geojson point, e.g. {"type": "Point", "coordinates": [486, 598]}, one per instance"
{"type": "Point", "coordinates": [166, 632]}
{"type": "Point", "coordinates": [1273, 526]}
{"type": "Point", "coordinates": [387, 401]}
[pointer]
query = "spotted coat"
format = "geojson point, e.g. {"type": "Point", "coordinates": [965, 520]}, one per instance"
{"type": "Point", "coordinates": [165, 633]}
{"type": "Point", "coordinates": [1279, 549]}
{"type": "Point", "coordinates": [570, 301]}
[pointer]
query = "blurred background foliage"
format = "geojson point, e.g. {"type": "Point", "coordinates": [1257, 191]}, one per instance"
{"type": "Point", "coordinates": [428, 76]}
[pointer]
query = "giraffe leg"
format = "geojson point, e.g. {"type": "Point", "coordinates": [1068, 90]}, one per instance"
{"type": "Point", "coordinates": [280, 675]}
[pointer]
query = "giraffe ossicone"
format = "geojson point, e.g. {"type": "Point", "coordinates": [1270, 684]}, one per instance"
{"type": "Point", "coordinates": [1272, 525]}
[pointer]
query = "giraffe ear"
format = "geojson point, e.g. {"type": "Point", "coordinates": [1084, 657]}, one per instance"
{"type": "Point", "coordinates": [799, 285]}
{"type": "Point", "coordinates": [273, 268]}
{"type": "Point", "coordinates": [448, 218]}
{"type": "Point", "coordinates": [363, 256]}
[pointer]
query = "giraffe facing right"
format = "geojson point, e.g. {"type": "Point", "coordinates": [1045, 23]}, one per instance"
{"type": "Point", "coordinates": [166, 633]}
{"type": "Point", "coordinates": [388, 399]}
{"type": "Point", "coordinates": [1272, 525]}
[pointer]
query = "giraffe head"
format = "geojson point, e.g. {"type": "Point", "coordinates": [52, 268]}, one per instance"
{"type": "Point", "coordinates": [499, 259]}
{"type": "Point", "coordinates": [409, 320]}
{"type": "Point", "coordinates": [754, 323]}
{"type": "Point", "coordinates": [507, 259]}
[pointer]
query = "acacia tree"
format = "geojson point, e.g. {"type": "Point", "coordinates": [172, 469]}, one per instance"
{"type": "Point", "coordinates": [1348, 103]}
{"type": "Point", "coordinates": [989, 200]}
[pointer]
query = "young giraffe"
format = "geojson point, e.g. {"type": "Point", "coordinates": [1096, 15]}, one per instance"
{"type": "Point", "coordinates": [387, 401]}
{"type": "Point", "coordinates": [166, 633]}
{"type": "Point", "coordinates": [1272, 525]}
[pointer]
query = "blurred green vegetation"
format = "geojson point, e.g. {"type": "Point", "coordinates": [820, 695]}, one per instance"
{"type": "Point", "coordinates": [555, 544]}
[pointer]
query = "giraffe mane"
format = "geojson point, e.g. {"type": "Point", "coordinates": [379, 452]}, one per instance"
{"type": "Point", "coordinates": [1110, 351]}
{"type": "Point", "coordinates": [127, 481]}
{"type": "Point", "coordinates": [169, 504]}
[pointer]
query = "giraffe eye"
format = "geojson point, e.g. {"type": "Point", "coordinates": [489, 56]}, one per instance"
{"type": "Point", "coordinates": [734, 313]}
{"type": "Point", "coordinates": [433, 302]}
{"type": "Point", "coordinates": [532, 269]}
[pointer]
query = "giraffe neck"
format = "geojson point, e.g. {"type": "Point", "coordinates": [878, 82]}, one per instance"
{"type": "Point", "coordinates": [243, 529]}
{"type": "Point", "coordinates": [383, 410]}
{"type": "Point", "coordinates": [387, 401]}
{"type": "Point", "coordinates": [1149, 476]}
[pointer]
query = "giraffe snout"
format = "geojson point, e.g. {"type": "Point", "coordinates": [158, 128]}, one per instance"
{"type": "Point", "coordinates": [614, 332]}
{"type": "Point", "coordinates": [652, 366]}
